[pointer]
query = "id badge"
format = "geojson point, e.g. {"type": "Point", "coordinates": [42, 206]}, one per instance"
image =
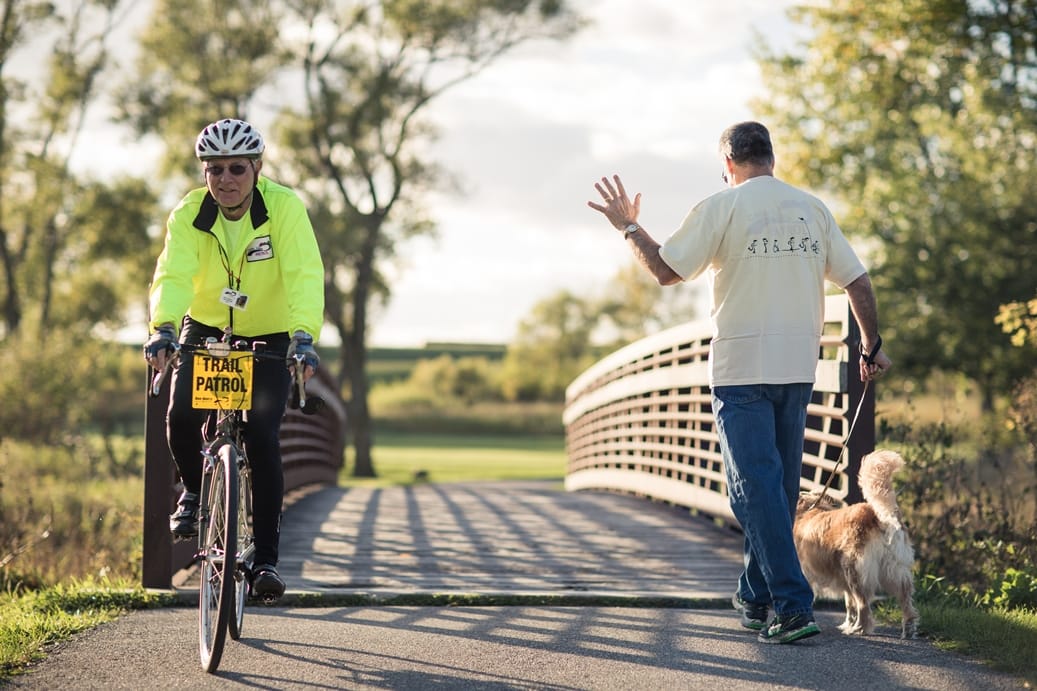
{"type": "Point", "coordinates": [234, 299]}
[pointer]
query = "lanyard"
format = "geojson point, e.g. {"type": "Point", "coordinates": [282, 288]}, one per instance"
{"type": "Point", "coordinates": [233, 281]}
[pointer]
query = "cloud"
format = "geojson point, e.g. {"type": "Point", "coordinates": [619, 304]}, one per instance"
{"type": "Point", "coordinates": [644, 91]}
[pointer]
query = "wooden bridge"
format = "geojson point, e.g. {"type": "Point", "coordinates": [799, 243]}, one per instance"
{"type": "Point", "coordinates": [638, 423]}
{"type": "Point", "coordinates": [641, 421]}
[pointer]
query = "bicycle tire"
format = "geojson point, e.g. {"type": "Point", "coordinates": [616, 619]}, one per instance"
{"type": "Point", "coordinates": [216, 588]}
{"type": "Point", "coordinates": [246, 549]}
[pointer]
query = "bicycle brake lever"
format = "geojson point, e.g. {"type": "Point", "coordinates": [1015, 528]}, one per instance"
{"type": "Point", "coordinates": [160, 375]}
{"type": "Point", "coordinates": [299, 390]}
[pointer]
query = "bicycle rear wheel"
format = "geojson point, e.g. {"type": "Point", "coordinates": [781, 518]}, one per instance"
{"type": "Point", "coordinates": [246, 547]}
{"type": "Point", "coordinates": [216, 590]}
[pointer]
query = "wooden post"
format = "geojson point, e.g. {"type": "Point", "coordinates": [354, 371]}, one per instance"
{"type": "Point", "coordinates": [862, 441]}
{"type": "Point", "coordinates": [157, 565]}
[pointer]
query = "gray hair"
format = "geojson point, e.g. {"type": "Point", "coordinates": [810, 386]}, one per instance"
{"type": "Point", "coordinates": [747, 142]}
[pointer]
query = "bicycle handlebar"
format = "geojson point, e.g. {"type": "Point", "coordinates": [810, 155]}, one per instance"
{"type": "Point", "coordinates": [298, 396]}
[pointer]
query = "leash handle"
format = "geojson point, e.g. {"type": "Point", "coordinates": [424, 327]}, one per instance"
{"type": "Point", "coordinates": [869, 358]}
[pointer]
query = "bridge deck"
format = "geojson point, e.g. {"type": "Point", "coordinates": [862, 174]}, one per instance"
{"type": "Point", "coordinates": [517, 538]}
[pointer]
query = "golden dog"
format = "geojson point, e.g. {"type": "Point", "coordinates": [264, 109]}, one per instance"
{"type": "Point", "coordinates": [857, 550]}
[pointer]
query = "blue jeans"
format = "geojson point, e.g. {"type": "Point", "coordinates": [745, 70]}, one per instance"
{"type": "Point", "coordinates": [761, 430]}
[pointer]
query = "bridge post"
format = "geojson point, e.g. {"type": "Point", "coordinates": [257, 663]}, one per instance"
{"type": "Point", "coordinates": [862, 441]}
{"type": "Point", "coordinates": [157, 563]}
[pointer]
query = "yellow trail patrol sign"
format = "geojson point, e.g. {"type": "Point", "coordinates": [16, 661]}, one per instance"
{"type": "Point", "coordinates": [222, 383]}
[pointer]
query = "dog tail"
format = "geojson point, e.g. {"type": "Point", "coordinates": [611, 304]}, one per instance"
{"type": "Point", "coordinates": [876, 483]}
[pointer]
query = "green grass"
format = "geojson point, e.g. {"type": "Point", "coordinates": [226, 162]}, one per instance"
{"type": "Point", "coordinates": [399, 458]}
{"type": "Point", "coordinates": [1006, 639]}
{"type": "Point", "coordinates": [31, 620]}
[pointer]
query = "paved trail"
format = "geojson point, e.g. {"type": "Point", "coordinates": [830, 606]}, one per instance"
{"type": "Point", "coordinates": [522, 540]}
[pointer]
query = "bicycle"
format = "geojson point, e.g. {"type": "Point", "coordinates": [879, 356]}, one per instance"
{"type": "Point", "coordinates": [225, 503]}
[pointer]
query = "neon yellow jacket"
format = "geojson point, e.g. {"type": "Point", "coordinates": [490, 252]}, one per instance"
{"type": "Point", "coordinates": [276, 263]}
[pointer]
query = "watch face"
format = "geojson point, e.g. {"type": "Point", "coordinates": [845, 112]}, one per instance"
{"type": "Point", "coordinates": [631, 228]}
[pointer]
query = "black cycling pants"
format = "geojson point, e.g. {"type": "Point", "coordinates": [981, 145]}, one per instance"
{"type": "Point", "coordinates": [271, 382]}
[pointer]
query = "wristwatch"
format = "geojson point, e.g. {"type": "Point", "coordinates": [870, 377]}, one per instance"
{"type": "Point", "coordinates": [632, 228]}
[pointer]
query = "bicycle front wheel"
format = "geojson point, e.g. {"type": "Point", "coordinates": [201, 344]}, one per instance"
{"type": "Point", "coordinates": [216, 590]}
{"type": "Point", "coordinates": [246, 546]}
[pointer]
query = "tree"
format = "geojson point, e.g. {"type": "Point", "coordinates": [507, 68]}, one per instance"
{"type": "Point", "coordinates": [370, 71]}
{"type": "Point", "coordinates": [918, 117]}
{"type": "Point", "coordinates": [565, 333]}
{"type": "Point", "coordinates": [44, 206]}
{"type": "Point", "coordinates": [71, 248]}
{"type": "Point", "coordinates": [552, 346]}
{"type": "Point", "coordinates": [200, 61]}
{"type": "Point", "coordinates": [635, 305]}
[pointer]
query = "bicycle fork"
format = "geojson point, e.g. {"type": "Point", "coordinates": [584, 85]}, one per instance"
{"type": "Point", "coordinates": [205, 550]}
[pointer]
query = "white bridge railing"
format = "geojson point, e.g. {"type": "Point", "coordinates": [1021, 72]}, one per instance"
{"type": "Point", "coordinates": [640, 420]}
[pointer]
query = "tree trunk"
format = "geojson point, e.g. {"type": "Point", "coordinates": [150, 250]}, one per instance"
{"type": "Point", "coordinates": [12, 306]}
{"type": "Point", "coordinates": [356, 353]}
{"type": "Point", "coordinates": [360, 424]}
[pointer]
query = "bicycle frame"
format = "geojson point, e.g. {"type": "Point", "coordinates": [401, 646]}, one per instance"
{"type": "Point", "coordinates": [226, 544]}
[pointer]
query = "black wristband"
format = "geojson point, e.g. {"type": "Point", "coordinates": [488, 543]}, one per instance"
{"type": "Point", "coordinates": [869, 358]}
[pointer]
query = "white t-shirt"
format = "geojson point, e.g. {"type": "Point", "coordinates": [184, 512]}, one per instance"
{"type": "Point", "coordinates": [768, 248]}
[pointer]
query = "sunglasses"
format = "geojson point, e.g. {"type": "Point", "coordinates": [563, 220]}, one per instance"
{"type": "Point", "coordinates": [236, 169]}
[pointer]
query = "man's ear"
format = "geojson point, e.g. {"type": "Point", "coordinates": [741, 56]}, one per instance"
{"type": "Point", "coordinates": [259, 165]}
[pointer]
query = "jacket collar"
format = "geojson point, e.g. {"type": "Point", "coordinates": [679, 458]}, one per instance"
{"type": "Point", "coordinates": [208, 211]}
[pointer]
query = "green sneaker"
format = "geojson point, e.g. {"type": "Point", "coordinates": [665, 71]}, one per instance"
{"type": "Point", "coordinates": [794, 629]}
{"type": "Point", "coordinates": [753, 616]}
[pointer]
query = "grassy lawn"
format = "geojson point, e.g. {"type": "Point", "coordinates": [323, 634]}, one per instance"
{"type": "Point", "coordinates": [403, 458]}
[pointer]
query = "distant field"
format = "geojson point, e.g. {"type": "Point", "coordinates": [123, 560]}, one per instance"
{"type": "Point", "coordinates": [400, 458]}
{"type": "Point", "coordinates": [392, 364]}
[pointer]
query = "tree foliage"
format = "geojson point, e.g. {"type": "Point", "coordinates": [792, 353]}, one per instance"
{"type": "Point", "coordinates": [634, 305]}
{"type": "Point", "coordinates": [62, 238]}
{"type": "Point", "coordinates": [565, 333]}
{"type": "Point", "coordinates": [552, 345]}
{"type": "Point", "coordinates": [1019, 320]}
{"type": "Point", "coordinates": [919, 117]}
{"type": "Point", "coordinates": [200, 61]}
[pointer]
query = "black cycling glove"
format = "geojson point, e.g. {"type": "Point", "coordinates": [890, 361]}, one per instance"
{"type": "Point", "coordinates": [164, 339]}
{"type": "Point", "coordinates": [302, 344]}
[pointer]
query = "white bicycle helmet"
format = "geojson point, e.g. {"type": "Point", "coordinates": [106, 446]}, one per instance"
{"type": "Point", "coordinates": [229, 138]}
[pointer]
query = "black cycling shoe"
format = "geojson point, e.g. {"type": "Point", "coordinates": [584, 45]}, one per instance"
{"type": "Point", "coordinates": [184, 523]}
{"type": "Point", "coordinates": [266, 583]}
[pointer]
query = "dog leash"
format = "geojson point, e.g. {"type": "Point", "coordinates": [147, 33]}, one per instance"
{"type": "Point", "coordinates": [846, 442]}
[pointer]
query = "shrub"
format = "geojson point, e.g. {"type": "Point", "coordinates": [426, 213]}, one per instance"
{"type": "Point", "coordinates": [1018, 590]}
{"type": "Point", "coordinates": [65, 513]}
{"type": "Point", "coordinates": [968, 497]}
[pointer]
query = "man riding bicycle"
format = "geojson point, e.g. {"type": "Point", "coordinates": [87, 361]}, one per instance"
{"type": "Point", "coordinates": [241, 258]}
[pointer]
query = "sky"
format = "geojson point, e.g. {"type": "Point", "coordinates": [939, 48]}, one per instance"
{"type": "Point", "coordinates": [643, 91]}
